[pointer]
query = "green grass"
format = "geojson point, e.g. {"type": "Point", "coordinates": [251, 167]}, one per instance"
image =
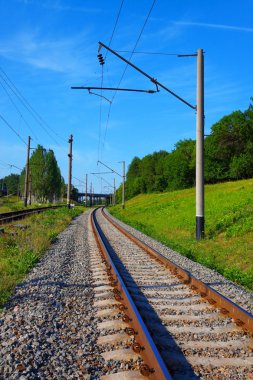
{"type": "Point", "coordinates": [10, 203]}
{"type": "Point", "coordinates": [170, 218]}
{"type": "Point", "coordinates": [20, 249]}
{"type": "Point", "coordinates": [14, 203]}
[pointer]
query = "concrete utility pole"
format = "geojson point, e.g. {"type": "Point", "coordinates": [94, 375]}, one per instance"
{"type": "Point", "coordinates": [86, 191]}
{"type": "Point", "coordinates": [90, 194]}
{"type": "Point", "coordinates": [70, 170]}
{"type": "Point", "coordinates": [200, 220]}
{"type": "Point", "coordinates": [123, 184]}
{"type": "Point", "coordinates": [114, 192]}
{"type": "Point", "coordinates": [27, 172]}
{"type": "Point", "coordinates": [30, 188]}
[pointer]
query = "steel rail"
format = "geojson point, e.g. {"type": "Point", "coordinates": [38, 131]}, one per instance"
{"type": "Point", "coordinates": [227, 307]}
{"type": "Point", "coordinates": [154, 367]}
{"type": "Point", "coordinates": [7, 217]}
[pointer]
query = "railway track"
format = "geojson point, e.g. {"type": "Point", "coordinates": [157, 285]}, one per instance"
{"type": "Point", "coordinates": [7, 217]}
{"type": "Point", "coordinates": [159, 320]}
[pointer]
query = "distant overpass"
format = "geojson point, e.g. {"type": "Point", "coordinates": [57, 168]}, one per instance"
{"type": "Point", "coordinates": [93, 198]}
{"type": "Point", "coordinates": [94, 195]}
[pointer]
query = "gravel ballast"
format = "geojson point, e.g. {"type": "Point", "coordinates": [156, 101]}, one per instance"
{"type": "Point", "coordinates": [48, 329]}
{"type": "Point", "coordinates": [229, 289]}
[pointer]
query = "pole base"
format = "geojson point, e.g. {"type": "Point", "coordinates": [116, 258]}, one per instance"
{"type": "Point", "coordinates": [200, 227]}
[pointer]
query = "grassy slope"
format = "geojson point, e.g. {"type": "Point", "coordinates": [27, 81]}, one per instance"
{"type": "Point", "coordinates": [10, 203]}
{"type": "Point", "coordinates": [13, 203]}
{"type": "Point", "coordinates": [20, 249]}
{"type": "Point", "coordinates": [170, 218]}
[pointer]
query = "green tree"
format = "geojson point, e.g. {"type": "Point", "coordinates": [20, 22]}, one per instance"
{"type": "Point", "coordinates": [228, 150]}
{"type": "Point", "coordinates": [180, 165]}
{"type": "Point", "coordinates": [52, 177]}
{"type": "Point", "coordinates": [133, 185]}
{"type": "Point", "coordinates": [46, 184]}
{"type": "Point", "coordinates": [11, 184]}
{"type": "Point", "coordinates": [37, 168]}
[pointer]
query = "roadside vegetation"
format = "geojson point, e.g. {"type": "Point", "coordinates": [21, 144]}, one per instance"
{"type": "Point", "coordinates": [14, 203]}
{"type": "Point", "coordinates": [170, 218]}
{"type": "Point", "coordinates": [45, 185]}
{"type": "Point", "coordinates": [21, 248]}
{"type": "Point", "coordinates": [228, 157]}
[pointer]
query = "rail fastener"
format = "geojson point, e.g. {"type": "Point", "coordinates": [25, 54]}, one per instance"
{"type": "Point", "coordinates": [216, 299]}
{"type": "Point", "coordinates": [153, 366]}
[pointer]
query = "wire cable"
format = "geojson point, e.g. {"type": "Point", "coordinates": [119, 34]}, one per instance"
{"type": "Point", "coordinates": [135, 46]}
{"type": "Point", "coordinates": [145, 52]}
{"type": "Point", "coordinates": [111, 38]}
{"type": "Point", "coordinates": [115, 25]}
{"type": "Point", "coordinates": [138, 39]}
{"type": "Point", "coordinates": [100, 112]}
{"type": "Point", "coordinates": [18, 111]}
{"type": "Point", "coordinates": [29, 108]}
{"type": "Point", "coordinates": [11, 165]}
{"type": "Point", "coordinates": [13, 130]}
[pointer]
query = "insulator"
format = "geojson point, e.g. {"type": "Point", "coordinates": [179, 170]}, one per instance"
{"type": "Point", "coordinates": [101, 59]}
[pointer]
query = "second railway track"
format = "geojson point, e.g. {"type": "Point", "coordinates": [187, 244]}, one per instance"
{"type": "Point", "coordinates": [194, 338]}
{"type": "Point", "coordinates": [8, 217]}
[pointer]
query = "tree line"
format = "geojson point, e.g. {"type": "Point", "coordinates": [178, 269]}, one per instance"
{"type": "Point", "coordinates": [228, 152]}
{"type": "Point", "coordinates": [45, 182]}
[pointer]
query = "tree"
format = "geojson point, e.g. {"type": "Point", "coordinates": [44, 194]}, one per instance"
{"type": "Point", "coordinates": [228, 155]}
{"type": "Point", "coordinates": [133, 185]}
{"type": "Point", "coordinates": [10, 184]}
{"type": "Point", "coordinates": [180, 165]}
{"type": "Point", "coordinates": [228, 150]}
{"type": "Point", "coordinates": [37, 168]}
{"type": "Point", "coordinates": [46, 183]}
{"type": "Point", "coordinates": [52, 177]}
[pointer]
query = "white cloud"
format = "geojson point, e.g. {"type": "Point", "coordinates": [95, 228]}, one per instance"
{"type": "Point", "coordinates": [60, 6]}
{"type": "Point", "coordinates": [216, 26]}
{"type": "Point", "coordinates": [65, 55]}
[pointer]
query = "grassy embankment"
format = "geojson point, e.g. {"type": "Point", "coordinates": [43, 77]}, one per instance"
{"type": "Point", "coordinates": [20, 249]}
{"type": "Point", "coordinates": [13, 203]}
{"type": "Point", "coordinates": [170, 218]}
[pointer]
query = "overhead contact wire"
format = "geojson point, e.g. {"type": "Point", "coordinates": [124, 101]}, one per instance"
{"type": "Point", "coordinates": [138, 39]}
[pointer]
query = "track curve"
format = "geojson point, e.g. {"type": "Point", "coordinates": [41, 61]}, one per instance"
{"type": "Point", "coordinates": [193, 337]}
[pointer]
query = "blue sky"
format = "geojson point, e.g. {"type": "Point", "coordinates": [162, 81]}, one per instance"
{"type": "Point", "coordinates": [47, 46]}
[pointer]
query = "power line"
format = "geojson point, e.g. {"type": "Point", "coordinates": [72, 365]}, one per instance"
{"type": "Point", "coordinates": [13, 130]}
{"type": "Point", "coordinates": [30, 108]}
{"type": "Point", "coordinates": [11, 165]}
{"type": "Point", "coordinates": [102, 79]}
{"type": "Point", "coordinates": [100, 111]}
{"type": "Point", "coordinates": [136, 43]}
{"type": "Point", "coordinates": [17, 109]}
{"type": "Point", "coordinates": [115, 25]}
{"type": "Point", "coordinates": [79, 180]}
{"type": "Point", "coordinates": [138, 39]}
{"type": "Point", "coordinates": [145, 52]}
